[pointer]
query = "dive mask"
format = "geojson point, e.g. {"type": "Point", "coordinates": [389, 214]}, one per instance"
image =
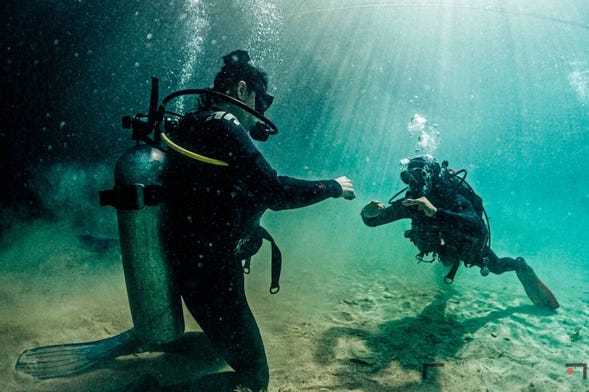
{"type": "Point", "coordinates": [263, 101]}
{"type": "Point", "coordinates": [260, 131]}
{"type": "Point", "coordinates": [418, 174]}
{"type": "Point", "coordinates": [418, 180]}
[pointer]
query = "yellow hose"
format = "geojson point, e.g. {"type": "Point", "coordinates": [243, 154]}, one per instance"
{"type": "Point", "coordinates": [191, 154]}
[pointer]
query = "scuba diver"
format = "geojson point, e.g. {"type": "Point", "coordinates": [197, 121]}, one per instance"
{"type": "Point", "coordinates": [447, 224]}
{"type": "Point", "coordinates": [217, 186]}
{"type": "Point", "coordinates": [189, 203]}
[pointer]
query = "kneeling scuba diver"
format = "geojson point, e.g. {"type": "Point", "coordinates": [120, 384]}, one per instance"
{"type": "Point", "coordinates": [447, 222]}
{"type": "Point", "coordinates": [155, 304]}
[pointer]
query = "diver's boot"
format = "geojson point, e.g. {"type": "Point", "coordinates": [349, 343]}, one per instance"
{"type": "Point", "coordinates": [534, 287]}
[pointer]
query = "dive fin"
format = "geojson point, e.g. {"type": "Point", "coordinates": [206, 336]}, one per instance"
{"type": "Point", "coordinates": [537, 290]}
{"type": "Point", "coordinates": [64, 360]}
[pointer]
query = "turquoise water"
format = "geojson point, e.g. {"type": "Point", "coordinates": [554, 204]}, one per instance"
{"type": "Point", "coordinates": [506, 84]}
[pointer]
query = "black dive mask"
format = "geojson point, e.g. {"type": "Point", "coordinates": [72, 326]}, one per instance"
{"type": "Point", "coordinates": [263, 101]}
{"type": "Point", "coordinates": [261, 131]}
{"type": "Point", "coordinates": [419, 175]}
{"type": "Point", "coordinates": [418, 180]}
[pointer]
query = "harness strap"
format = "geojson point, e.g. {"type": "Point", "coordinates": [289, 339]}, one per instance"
{"type": "Point", "coordinates": [276, 267]}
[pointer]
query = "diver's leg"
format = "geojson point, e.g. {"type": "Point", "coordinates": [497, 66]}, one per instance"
{"type": "Point", "coordinates": [498, 265]}
{"type": "Point", "coordinates": [536, 290]}
{"type": "Point", "coordinates": [214, 293]}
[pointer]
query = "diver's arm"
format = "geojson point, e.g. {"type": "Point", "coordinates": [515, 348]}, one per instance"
{"type": "Point", "coordinates": [462, 217]}
{"type": "Point", "coordinates": [376, 214]}
{"type": "Point", "coordinates": [423, 204]}
{"type": "Point", "coordinates": [289, 192]}
{"type": "Point", "coordinates": [277, 192]}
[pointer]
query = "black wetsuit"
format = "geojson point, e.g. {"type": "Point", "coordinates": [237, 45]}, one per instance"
{"type": "Point", "coordinates": [455, 232]}
{"type": "Point", "coordinates": [209, 210]}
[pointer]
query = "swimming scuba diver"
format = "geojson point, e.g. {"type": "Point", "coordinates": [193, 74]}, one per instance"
{"type": "Point", "coordinates": [447, 223]}
{"type": "Point", "coordinates": [212, 211]}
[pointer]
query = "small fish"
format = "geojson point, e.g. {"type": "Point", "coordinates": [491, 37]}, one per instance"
{"type": "Point", "coordinates": [97, 242]}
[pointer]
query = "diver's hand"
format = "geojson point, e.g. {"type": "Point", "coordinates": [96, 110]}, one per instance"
{"type": "Point", "coordinates": [422, 204]}
{"type": "Point", "coordinates": [347, 188]}
{"type": "Point", "coordinates": [372, 209]}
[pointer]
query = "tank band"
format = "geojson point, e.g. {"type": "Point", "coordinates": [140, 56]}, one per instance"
{"type": "Point", "coordinates": [132, 197]}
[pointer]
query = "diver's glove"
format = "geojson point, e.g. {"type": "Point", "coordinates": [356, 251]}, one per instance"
{"type": "Point", "coordinates": [372, 209]}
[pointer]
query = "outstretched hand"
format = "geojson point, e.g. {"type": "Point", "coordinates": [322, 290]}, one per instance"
{"type": "Point", "coordinates": [372, 209]}
{"type": "Point", "coordinates": [423, 204]}
{"type": "Point", "coordinates": [347, 187]}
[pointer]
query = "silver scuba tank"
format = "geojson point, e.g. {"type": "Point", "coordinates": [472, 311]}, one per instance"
{"type": "Point", "coordinates": [156, 306]}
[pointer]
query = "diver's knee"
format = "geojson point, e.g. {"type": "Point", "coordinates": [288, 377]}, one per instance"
{"type": "Point", "coordinates": [255, 378]}
{"type": "Point", "coordinates": [497, 268]}
{"type": "Point", "coordinates": [506, 264]}
{"type": "Point", "coordinates": [261, 378]}
{"type": "Point", "coordinates": [521, 265]}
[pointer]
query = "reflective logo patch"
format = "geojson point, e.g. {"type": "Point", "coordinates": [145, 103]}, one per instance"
{"type": "Point", "coordinates": [223, 115]}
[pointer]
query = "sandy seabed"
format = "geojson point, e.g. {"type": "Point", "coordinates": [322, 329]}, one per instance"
{"type": "Point", "coordinates": [336, 325]}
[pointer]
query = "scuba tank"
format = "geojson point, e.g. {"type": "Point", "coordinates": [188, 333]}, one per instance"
{"type": "Point", "coordinates": [155, 305]}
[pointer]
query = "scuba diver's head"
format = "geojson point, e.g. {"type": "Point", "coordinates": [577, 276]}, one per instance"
{"type": "Point", "coordinates": [241, 80]}
{"type": "Point", "coordinates": [237, 67]}
{"type": "Point", "coordinates": [421, 174]}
